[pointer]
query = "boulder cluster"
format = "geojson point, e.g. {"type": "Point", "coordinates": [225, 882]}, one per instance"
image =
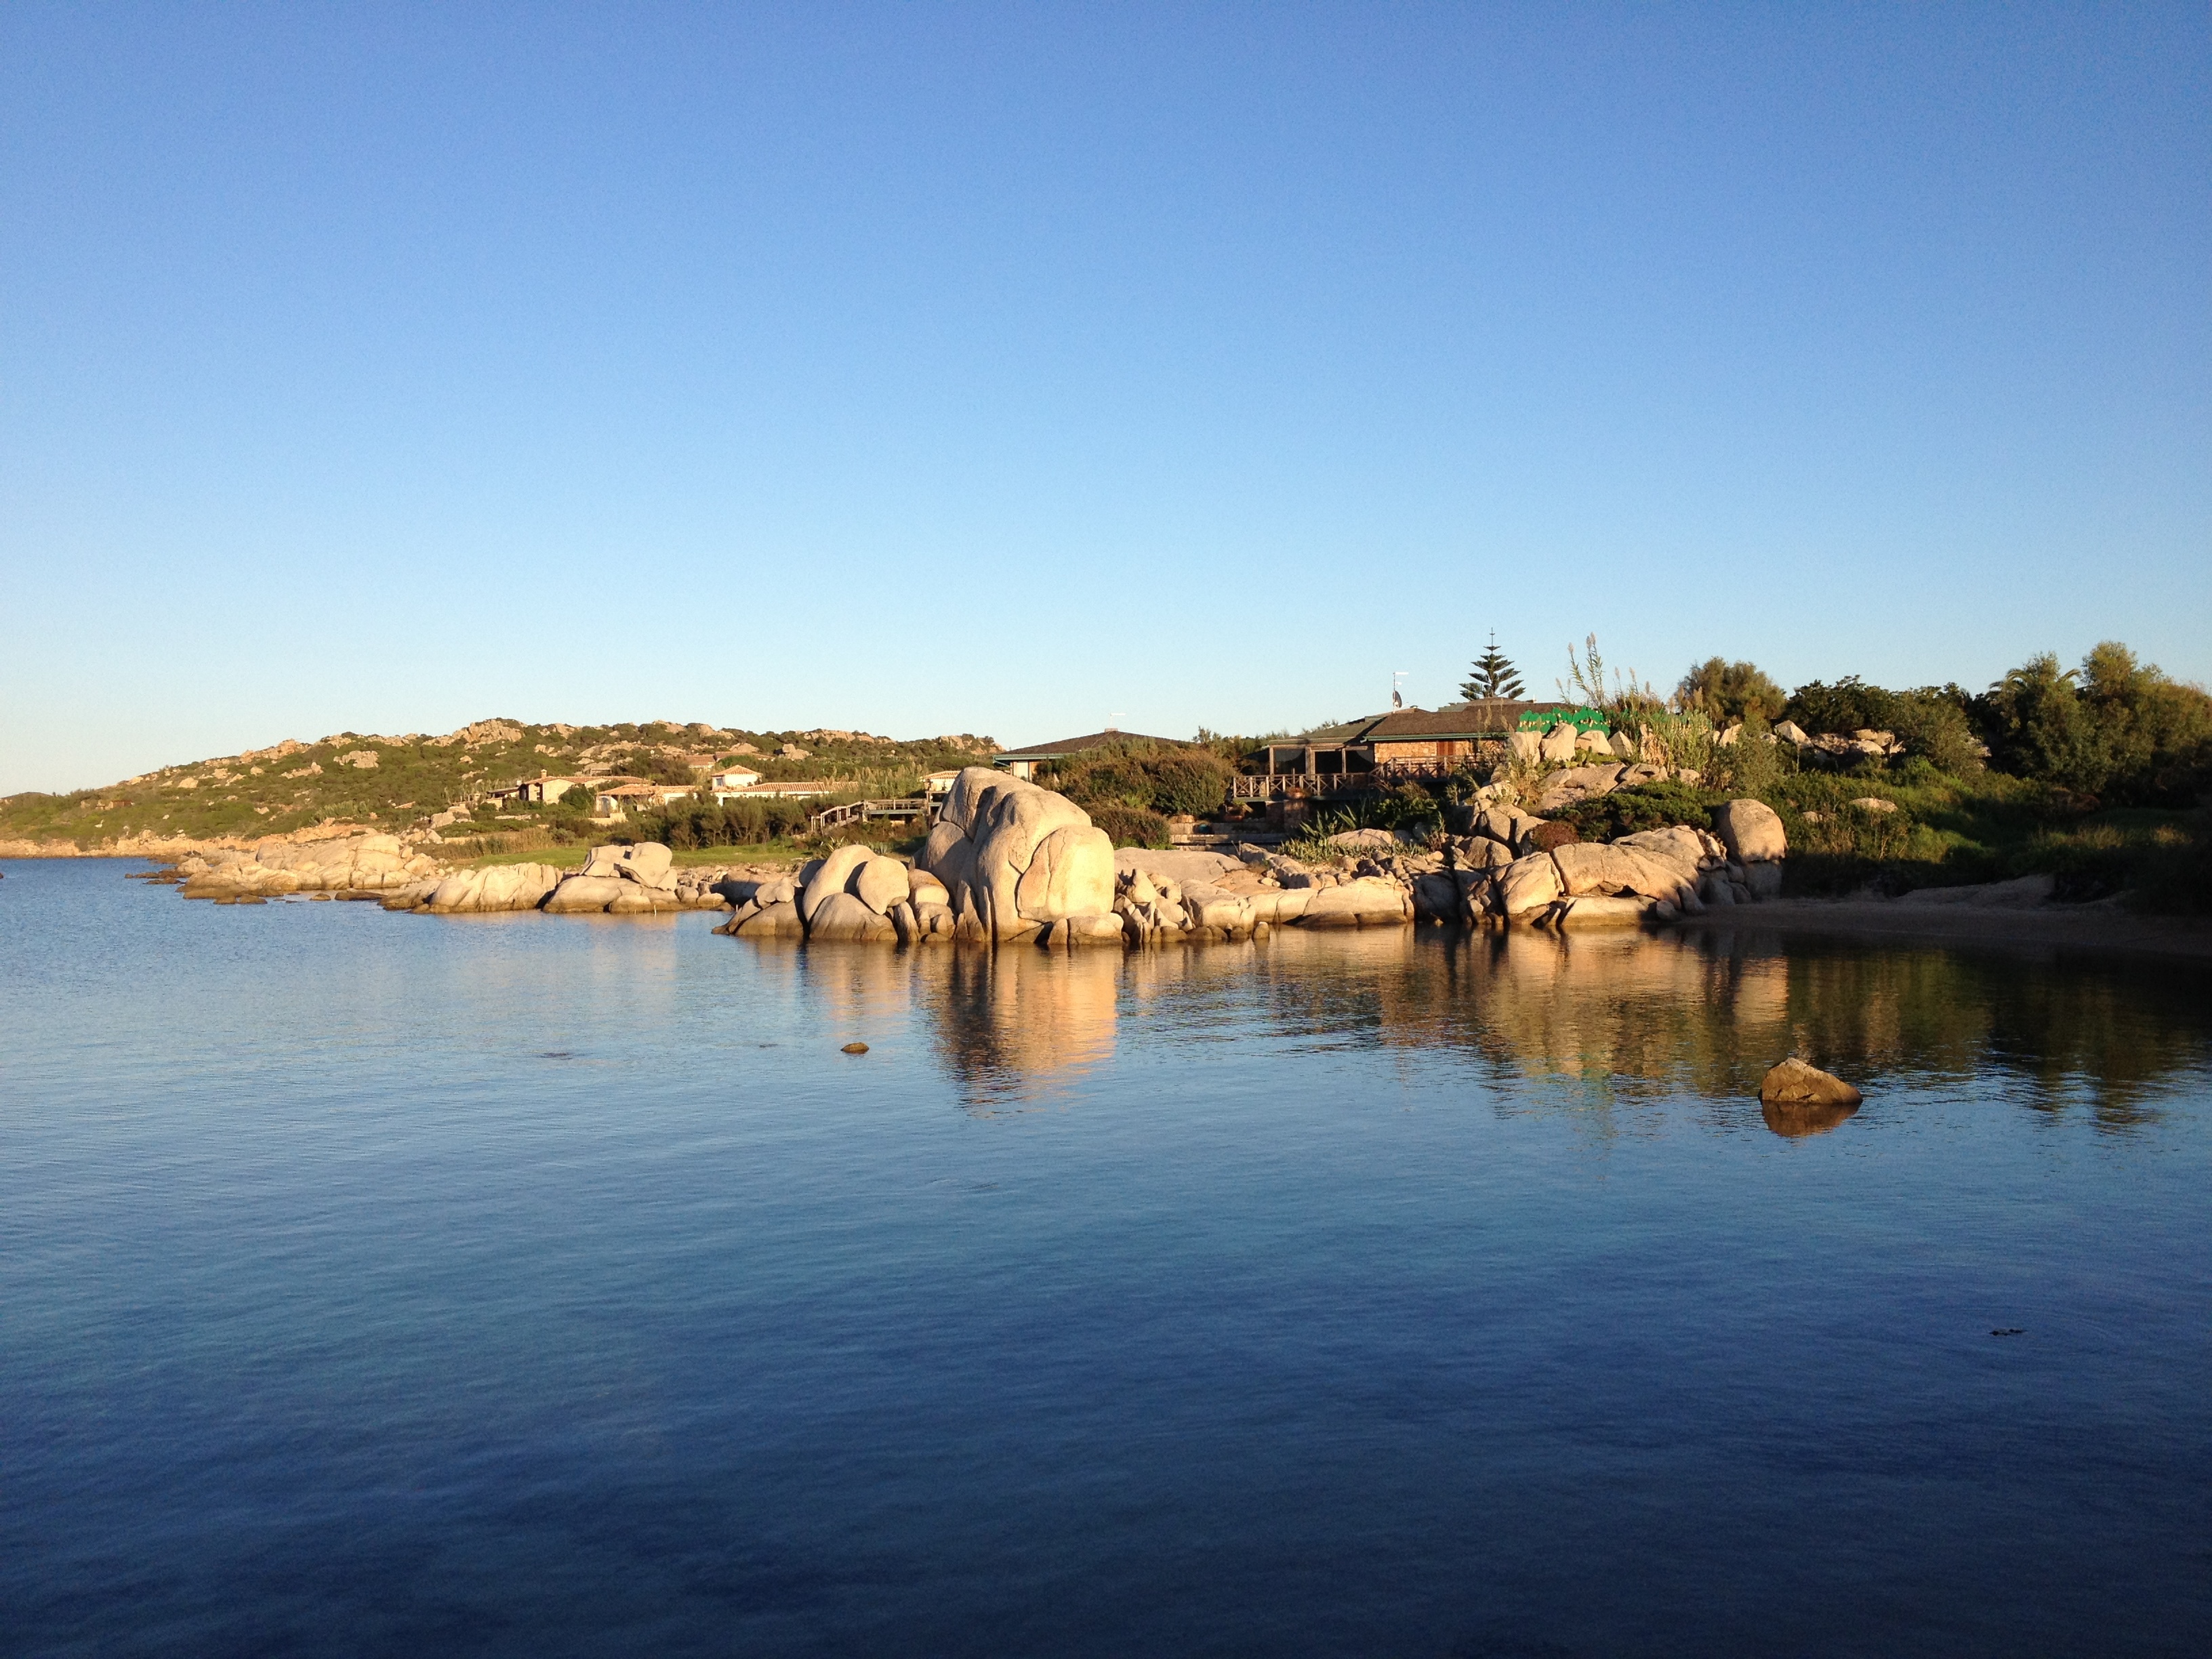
{"type": "Point", "coordinates": [1517, 868]}
{"type": "Point", "coordinates": [368, 865]}
{"type": "Point", "coordinates": [621, 881]}
{"type": "Point", "coordinates": [1008, 860]}
{"type": "Point", "coordinates": [854, 894]}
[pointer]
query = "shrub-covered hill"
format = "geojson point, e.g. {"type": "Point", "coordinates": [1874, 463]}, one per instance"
{"type": "Point", "coordinates": [397, 782]}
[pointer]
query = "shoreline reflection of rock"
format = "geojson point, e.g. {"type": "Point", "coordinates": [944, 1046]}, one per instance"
{"type": "Point", "coordinates": [1016, 1025]}
{"type": "Point", "coordinates": [1622, 1021]}
{"type": "Point", "coordinates": [1794, 1120]}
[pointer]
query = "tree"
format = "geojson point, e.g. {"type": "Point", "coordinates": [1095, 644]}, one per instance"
{"type": "Point", "coordinates": [1730, 691]}
{"type": "Point", "coordinates": [1494, 675]}
{"type": "Point", "coordinates": [2113, 727]}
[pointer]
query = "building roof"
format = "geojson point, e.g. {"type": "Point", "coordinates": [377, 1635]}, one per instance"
{"type": "Point", "coordinates": [1065, 746]}
{"type": "Point", "coordinates": [1489, 718]}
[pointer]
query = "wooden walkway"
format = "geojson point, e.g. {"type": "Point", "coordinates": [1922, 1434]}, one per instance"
{"type": "Point", "coordinates": [909, 807]}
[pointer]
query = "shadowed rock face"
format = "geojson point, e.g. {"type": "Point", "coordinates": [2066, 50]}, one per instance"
{"type": "Point", "coordinates": [1795, 1122]}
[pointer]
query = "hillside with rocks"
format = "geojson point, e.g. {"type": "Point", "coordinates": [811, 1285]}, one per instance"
{"type": "Point", "coordinates": [399, 785]}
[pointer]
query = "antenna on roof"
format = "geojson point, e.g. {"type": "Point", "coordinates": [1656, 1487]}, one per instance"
{"type": "Point", "coordinates": [1398, 697]}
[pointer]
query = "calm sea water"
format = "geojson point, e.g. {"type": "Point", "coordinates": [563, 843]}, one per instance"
{"type": "Point", "coordinates": [377, 1284]}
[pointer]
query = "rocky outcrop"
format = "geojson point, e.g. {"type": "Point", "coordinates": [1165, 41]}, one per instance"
{"type": "Point", "coordinates": [1751, 831]}
{"type": "Point", "coordinates": [502, 887]}
{"type": "Point", "coordinates": [623, 881]}
{"type": "Point", "coordinates": [363, 864]}
{"type": "Point", "coordinates": [1511, 870]}
{"type": "Point", "coordinates": [854, 894]}
{"type": "Point", "coordinates": [994, 831]}
{"type": "Point", "coordinates": [1795, 1083]}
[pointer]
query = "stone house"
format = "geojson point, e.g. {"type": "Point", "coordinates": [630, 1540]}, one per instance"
{"type": "Point", "coordinates": [542, 790]}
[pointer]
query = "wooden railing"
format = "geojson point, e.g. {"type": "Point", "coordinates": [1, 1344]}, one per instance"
{"type": "Point", "coordinates": [1278, 786]}
{"type": "Point", "coordinates": [907, 806]}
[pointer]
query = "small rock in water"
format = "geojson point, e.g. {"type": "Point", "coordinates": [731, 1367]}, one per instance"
{"type": "Point", "coordinates": [1793, 1082]}
{"type": "Point", "coordinates": [854, 1048]}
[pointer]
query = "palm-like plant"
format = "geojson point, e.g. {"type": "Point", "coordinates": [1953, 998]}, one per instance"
{"type": "Point", "coordinates": [1493, 675]}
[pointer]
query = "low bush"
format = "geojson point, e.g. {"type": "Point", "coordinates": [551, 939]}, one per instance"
{"type": "Point", "coordinates": [685, 824]}
{"type": "Point", "coordinates": [1638, 807]}
{"type": "Point", "coordinates": [1148, 777]}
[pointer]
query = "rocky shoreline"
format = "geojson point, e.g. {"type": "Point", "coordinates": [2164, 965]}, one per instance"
{"type": "Point", "coordinates": [1012, 861]}
{"type": "Point", "coordinates": [1009, 860]}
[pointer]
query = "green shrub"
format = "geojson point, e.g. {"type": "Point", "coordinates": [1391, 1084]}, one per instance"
{"type": "Point", "coordinates": [1639, 807]}
{"type": "Point", "coordinates": [685, 824]}
{"type": "Point", "coordinates": [1934, 722]}
{"type": "Point", "coordinates": [1730, 691]}
{"type": "Point", "coordinates": [1147, 777]}
{"type": "Point", "coordinates": [1131, 826]}
{"type": "Point", "coordinates": [2114, 727]}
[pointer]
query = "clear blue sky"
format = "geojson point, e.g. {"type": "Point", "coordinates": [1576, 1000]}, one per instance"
{"type": "Point", "coordinates": [1018, 370]}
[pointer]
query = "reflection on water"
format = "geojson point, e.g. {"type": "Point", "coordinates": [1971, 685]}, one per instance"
{"type": "Point", "coordinates": [1609, 1015]}
{"type": "Point", "coordinates": [1795, 1119]}
{"type": "Point", "coordinates": [538, 1286]}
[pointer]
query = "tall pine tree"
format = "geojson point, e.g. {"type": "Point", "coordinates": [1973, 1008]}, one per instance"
{"type": "Point", "coordinates": [1494, 675]}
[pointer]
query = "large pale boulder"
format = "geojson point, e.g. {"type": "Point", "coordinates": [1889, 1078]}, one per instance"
{"type": "Point", "coordinates": [1588, 868]}
{"type": "Point", "coordinates": [1559, 744]}
{"type": "Point", "coordinates": [953, 864]}
{"type": "Point", "coordinates": [1209, 906]}
{"type": "Point", "coordinates": [1681, 849]}
{"type": "Point", "coordinates": [1527, 885]}
{"type": "Point", "coordinates": [881, 883]}
{"type": "Point", "coordinates": [1487, 854]}
{"type": "Point", "coordinates": [1577, 783]}
{"type": "Point", "coordinates": [843, 916]}
{"type": "Point", "coordinates": [1070, 874]}
{"type": "Point", "coordinates": [1366, 902]}
{"type": "Point", "coordinates": [1751, 831]}
{"type": "Point", "coordinates": [832, 875]}
{"type": "Point", "coordinates": [1526, 745]}
{"type": "Point", "coordinates": [779, 920]}
{"type": "Point", "coordinates": [646, 863]}
{"type": "Point", "coordinates": [580, 894]}
{"type": "Point", "coordinates": [502, 887]}
{"type": "Point", "coordinates": [1005, 820]}
{"type": "Point", "coordinates": [1279, 905]}
{"type": "Point", "coordinates": [971, 795]}
{"type": "Point", "coordinates": [1495, 824]}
